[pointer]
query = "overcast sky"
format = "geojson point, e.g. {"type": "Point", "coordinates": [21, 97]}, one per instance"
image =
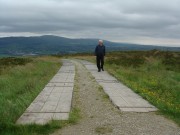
{"type": "Point", "coordinates": [135, 21]}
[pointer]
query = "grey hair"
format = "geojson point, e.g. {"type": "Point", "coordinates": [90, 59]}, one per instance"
{"type": "Point", "coordinates": [101, 41]}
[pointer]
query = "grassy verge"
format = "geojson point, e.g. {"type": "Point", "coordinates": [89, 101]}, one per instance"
{"type": "Point", "coordinates": [153, 74]}
{"type": "Point", "coordinates": [46, 129]}
{"type": "Point", "coordinates": [21, 80]}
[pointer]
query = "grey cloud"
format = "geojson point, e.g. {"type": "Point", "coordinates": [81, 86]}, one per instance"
{"type": "Point", "coordinates": [91, 18]}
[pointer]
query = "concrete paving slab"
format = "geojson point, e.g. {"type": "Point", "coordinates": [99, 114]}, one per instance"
{"type": "Point", "coordinates": [120, 95]}
{"type": "Point", "coordinates": [118, 101]}
{"type": "Point", "coordinates": [61, 116]}
{"type": "Point", "coordinates": [41, 118]}
{"type": "Point", "coordinates": [54, 101]}
{"type": "Point", "coordinates": [50, 84]}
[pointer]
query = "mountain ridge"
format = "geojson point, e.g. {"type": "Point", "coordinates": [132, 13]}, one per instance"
{"type": "Point", "coordinates": [50, 44]}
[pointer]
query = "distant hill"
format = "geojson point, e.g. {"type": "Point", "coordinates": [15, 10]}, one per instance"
{"type": "Point", "coordinates": [48, 44]}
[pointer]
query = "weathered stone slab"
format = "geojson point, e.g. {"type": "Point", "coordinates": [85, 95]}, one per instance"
{"type": "Point", "coordinates": [41, 118]}
{"type": "Point", "coordinates": [120, 95]}
{"type": "Point", "coordinates": [50, 84]}
{"type": "Point", "coordinates": [54, 101]}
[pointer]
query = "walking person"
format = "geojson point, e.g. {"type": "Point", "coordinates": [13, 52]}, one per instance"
{"type": "Point", "coordinates": [100, 52]}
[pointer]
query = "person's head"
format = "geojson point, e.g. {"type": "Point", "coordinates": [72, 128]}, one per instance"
{"type": "Point", "coordinates": [100, 42]}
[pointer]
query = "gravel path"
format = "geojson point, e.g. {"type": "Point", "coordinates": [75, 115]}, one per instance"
{"type": "Point", "coordinates": [99, 116]}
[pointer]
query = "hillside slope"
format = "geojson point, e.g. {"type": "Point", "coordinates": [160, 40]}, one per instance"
{"type": "Point", "coordinates": [10, 46]}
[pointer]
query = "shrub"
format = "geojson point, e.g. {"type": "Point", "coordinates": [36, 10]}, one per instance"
{"type": "Point", "coordinates": [10, 61]}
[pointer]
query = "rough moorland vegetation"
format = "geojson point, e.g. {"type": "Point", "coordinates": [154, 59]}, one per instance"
{"type": "Point", "coordinates": [153, 74]}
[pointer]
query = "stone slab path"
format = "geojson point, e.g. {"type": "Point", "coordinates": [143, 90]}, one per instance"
{"type": "Point", "coordinates": [99, 116]}
{"type": "Point", "coordinates": [54, 101]}
{"type": "Point", "coordinates": [120, 95]}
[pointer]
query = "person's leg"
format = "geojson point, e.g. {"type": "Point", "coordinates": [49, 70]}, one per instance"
{"type": "Point", "coordinates": [102, 63]}
{"type": "Point", "coordinates": [98, 63]}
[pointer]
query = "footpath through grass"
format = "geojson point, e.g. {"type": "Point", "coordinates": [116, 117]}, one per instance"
{"type": "Point", "coordinates": [21, 80]}
{"type": "Point", "coordinates": [155, 75]}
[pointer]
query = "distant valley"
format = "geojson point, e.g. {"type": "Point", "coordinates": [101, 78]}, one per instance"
{"type": "Point", "coordinates": [48, 44]}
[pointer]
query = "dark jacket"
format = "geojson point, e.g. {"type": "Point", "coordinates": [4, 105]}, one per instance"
{"type": "Point", "coordinates": [100, 50]}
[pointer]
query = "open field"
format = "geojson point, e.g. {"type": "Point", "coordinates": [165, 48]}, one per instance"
{"type": "Point", "coordinates": [153, 74]}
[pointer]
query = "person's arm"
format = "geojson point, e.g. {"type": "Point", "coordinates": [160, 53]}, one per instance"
{"type": "Point", "coordinates": [95, 52]}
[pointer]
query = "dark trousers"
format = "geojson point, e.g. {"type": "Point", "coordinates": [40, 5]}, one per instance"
{"type": "Point", "coordinates": [100, 62]}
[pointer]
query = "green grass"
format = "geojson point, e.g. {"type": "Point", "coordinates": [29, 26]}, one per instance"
{"type": "Point", "coordinates": [74, 116]}
{"type": "Point", "coordinates": [21, 80]}
{"type": "Point", "coordinates": [20, 84]}
{"type": "Point", "coordinates": [155, 75]}
{"type": "Point", "coordinates": [46, 129]}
